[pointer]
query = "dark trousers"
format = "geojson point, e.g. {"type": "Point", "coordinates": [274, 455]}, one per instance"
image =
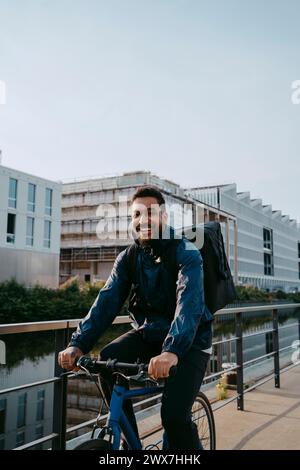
{"type": "Point", "coordinates": [179, 392]}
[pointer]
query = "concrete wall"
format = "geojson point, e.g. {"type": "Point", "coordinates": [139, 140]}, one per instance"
{"type": "Point", "coordinates": [29, 267]}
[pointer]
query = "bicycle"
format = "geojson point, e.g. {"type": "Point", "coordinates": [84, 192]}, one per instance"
{"type": "Point", "coordinates": [109, 436]}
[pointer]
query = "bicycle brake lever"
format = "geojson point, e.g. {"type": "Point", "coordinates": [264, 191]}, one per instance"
{"type": "Point", "coordinates": [141, 377]}
{"type": "Point", "coordinates": [69, 372]}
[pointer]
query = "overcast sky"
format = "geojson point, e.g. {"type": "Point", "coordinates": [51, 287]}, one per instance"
{"type": "Point", "coordinates": [196, 91]}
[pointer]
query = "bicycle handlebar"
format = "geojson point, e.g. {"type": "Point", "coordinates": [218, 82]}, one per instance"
{"type": "Point", "coordinates": [94, 366]}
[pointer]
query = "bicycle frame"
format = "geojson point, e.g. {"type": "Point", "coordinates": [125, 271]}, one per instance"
{"type": "Point", "coordinates": [117, 419]}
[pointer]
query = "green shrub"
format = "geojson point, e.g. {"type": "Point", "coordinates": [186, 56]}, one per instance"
{"type": "Point", "coordinates": [19, 304]}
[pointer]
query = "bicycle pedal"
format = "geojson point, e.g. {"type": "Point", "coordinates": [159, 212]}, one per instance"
{"type": "Point", "coordinates": [123, 445]}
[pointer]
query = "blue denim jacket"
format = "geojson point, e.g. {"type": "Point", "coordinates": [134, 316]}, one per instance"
{"type": "Point", "coordinates": [174, 313]}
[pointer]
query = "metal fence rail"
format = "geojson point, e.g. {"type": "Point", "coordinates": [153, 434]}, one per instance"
{"type": "Point", "coordinates": [63, 328]}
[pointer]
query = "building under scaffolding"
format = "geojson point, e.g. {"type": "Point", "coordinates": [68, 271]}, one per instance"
{"type": "Point", "coordinates": [96, 220]}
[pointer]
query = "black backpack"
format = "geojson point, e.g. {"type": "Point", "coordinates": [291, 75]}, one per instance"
{"type": "Point", "coordinates": [219, 287]}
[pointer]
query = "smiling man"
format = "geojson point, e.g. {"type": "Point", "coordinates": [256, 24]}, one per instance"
{"type": "Point", "coordinates": [172, 324]}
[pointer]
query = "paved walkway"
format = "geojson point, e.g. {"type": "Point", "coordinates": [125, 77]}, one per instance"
{"type": "Point", "coordinates": [271, 419]}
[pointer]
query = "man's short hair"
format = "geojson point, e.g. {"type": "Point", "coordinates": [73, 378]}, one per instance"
{"type": "Point", "coordinates": [148, 191]}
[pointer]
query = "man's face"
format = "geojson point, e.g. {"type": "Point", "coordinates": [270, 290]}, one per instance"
{"type": "Point", "coordinates": [148, 217]}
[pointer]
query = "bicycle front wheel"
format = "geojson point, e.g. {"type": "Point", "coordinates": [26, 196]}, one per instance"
{"type": "Point", "coordinates": [94, 444]}
{"type": "Point", "coordinates": [203, 417]}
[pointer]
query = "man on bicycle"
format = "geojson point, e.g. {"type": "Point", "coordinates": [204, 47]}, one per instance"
{"type": "Point", "coordinates": [172, 324]}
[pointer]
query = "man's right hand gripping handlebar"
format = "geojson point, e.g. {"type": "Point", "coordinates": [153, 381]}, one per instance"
{"type": "Point", "coordinates": [68, 357]}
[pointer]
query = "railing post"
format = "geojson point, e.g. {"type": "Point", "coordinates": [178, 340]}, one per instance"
{"type": "Point", "coordinates": [60, 394]}
{"type": "Point", "coordinates": [299, 323]}
{"type": "Point", "coordinates": [276, 348]}
{"type": "Point", "coordinates": [239, 361]}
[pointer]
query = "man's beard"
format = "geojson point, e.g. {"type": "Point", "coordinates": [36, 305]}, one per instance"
{"type": "Point", "coordinates": [153, 243]}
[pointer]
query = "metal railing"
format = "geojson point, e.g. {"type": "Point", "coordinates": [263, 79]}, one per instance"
{"type": "Point", "coordinates": [63, 328]}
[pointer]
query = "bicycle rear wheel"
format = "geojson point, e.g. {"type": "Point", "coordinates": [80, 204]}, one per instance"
{"type": "Point", "coordinates": [94, 444]}
{"type": "Point", "coordinates": [203, 417]}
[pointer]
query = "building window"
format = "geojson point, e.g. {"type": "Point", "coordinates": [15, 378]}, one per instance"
{"type": "Point", "coordinates": [298, 249]}
{"type": "Point", "coordinates": [39, 431]}
{"type": "Point", "coordinates": [268, 238]}
{"type": "Point", "coordinates": [268, 264]}
{"type": "Point", "coordinates": [48, 202]}
{"type": "Point", "coordinates": [12, 193]}
{"type": "Point", "coordinates": [31, 197]}
{"type": "Point", "coordinates": [11, 228]}
{"type": "Point", "coordinates": [29, 231]}
{"type": "Point", "coordinates": [40, 405]}
{"type": "Point", "coordinates": [299, 269]}
{"type": "Point", "coordinates": [2, 415]}
{"type": "Point", "coordinates": [21, 421]}
{"type": "Point", "coordinates": [47, 234]}
{"type": "Point", "coordinates": [20, 440]}
{"type": "Point", "coordinates": [268, 252]}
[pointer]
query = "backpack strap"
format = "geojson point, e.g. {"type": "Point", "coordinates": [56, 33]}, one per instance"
{"type": "Point", "coordinates": [131, 259]}
{"type": "Point", "coordinates": [169, 258]}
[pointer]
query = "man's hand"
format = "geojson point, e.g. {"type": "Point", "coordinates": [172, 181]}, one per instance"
{"type": "Point", "coordinates": [67, 358]}
{"type": "Point", "coordinates": [160, 366]}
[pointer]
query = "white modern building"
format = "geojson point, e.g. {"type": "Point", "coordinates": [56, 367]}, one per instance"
{"type": "Point", "coordinates": [30, 220]}
{"type": "Point", "coordinates": [268, 241]}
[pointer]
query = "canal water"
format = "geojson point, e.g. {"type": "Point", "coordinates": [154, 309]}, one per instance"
{"type": "Point", "coordinates": [26, 415]}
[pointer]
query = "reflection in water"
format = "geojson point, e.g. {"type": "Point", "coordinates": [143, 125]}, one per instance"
{"type": "Point", "coordinates": [32, 346]}
{"type": "Point", "coordinates": [257, 345]}
{"type": "Point", "coordinates": [224, 325]}
{"type": "Point", "coordinates": [26, 414]}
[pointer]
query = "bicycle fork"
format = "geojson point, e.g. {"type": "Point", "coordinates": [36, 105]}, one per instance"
{"type": "Point", "coordinates": [117, 419]}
